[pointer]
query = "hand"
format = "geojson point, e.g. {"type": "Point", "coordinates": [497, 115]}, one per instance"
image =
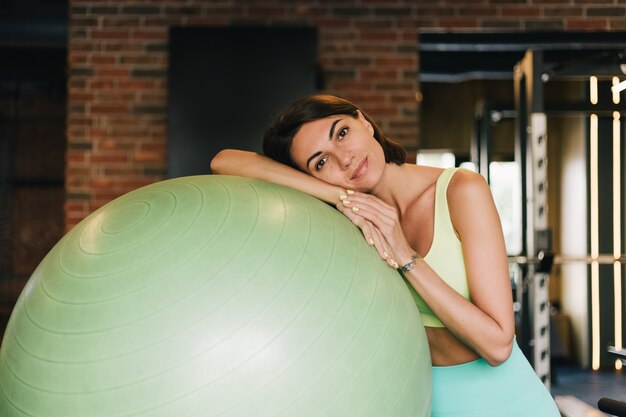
{"type": "Point", "coordinates": [380, 222]}
{"type": "Point", "coordinates": [371, 233]}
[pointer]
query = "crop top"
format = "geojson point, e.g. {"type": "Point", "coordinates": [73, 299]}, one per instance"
{"type": "Point", "coordinates": [445, 255]}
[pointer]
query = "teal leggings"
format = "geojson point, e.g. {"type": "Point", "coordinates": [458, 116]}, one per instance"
{"type": "Point", "coordinates": [476, 389]}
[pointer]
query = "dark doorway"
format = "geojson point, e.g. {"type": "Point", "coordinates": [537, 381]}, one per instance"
{"type": "Point", "coordinates": [32, 156]}
{"type": "Point", "coordinates": [225, 84]}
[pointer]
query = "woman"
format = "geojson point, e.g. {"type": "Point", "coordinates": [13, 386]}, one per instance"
{"type": "Point", "coordinates": [438, 227]}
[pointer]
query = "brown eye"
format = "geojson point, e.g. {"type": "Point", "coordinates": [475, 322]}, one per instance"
{"type": "Point", "coordinates": [320, 164]}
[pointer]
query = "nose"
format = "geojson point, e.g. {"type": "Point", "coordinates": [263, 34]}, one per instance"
{"type": "Point", "coordinates": [346, 160]}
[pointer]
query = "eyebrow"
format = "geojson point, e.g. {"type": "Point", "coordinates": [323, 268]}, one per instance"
{"type": "Point", "coordinates": [330, 137]}
{"type": "Point", "coordinates": [332, 129]}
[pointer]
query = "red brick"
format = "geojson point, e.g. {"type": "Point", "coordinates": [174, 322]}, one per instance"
{"type": "Point", "coordinates": [111, 72]}
{"type": "Point", "coordinates": [266, 11]}
{"type": "Point", "coordinates": [101, 84]}
{"type": "Point", "coordinates": [109, 34]}
{"type": "Point", "coordinates": [436, 11]}
{"type": "Point", "coordinates": [410, 36]}
{"type": "Point", "coordinates": [467, 11]}
{"type": "Point", "coordinates": [76, 22]}
{"type": "Point", "coordinates": [114, 144]}
{"type": "Point", "coordinates": [465, 2]}
{"type": "Point", "coordinates": [80, 96]}
{"type": "Point", "coordinates": [382, 112]}
{"type": "Point", "coordinates": [98, 132]}
{"type": "Point", "coordinates": [379, 74]}
{"type": "Point", "coordinates": [160, 35]}
{"type": "Point", "coordinates": [206, 21]}
{"type": "Point", "coordinates": [458, 24]}
{"type": "Point", "coordinates": [386, 36]}
{"type": "Point", "coordinates": [588, 2]}
{"type": "Point", "coordinates": [520, 11]}
{"type": "Point", "coordinates": [75, 156]}
{"type": "Point", "coordinates": [153, 97]}
{"type": "Point", "coordinates": [374, 24]}
{"type": "Point", "coordinates": [77, 58]}
{"type": "Point", "coordinates": [149, 157]}
{"type": "Point", "coordinates": [101, 183]}
{"type": "Point", "coordinates": [75, 206]}
{"type": "Point", "coordinates": [563, 11]}
{"type": "Point", "coordinates": [617, 25]}
{"type": "Point", "coordinates": [394, 87]}
{"type": "Point", "coordinates": [76, 182]}
{"type": "Point", "coordinates": [365, 48]}
{"type": "Point", "coordinates": [586, 24]}
{"type": "Point", "coordinates": [385, 2]}
{"type": "Point", "coordinates": [112, 157]}
{"type": "Point", "coordinates": [120, 21]}
{"type": "Point", "coordinates": [396, 62]}
{"type": "Point", "coordinates": [109, 108]}
{"type": "Point", "coordinates": [75, 121]}
{"type": "Point", "coordinates": [378, 48]}
{"type": "Point", "coordinates": [103, 59]}
{"type": "Point", "coordinates": [333, 27]}
{"type": "Point", "coordinates": [140, 59]}
{"type": "Point", "coordinates": [120, 46]}
{"type": "Point", "coordinates": [222, 11]}
{"type": "Point", "coordinates": [155, 147]}
{"type": "Point", "coordinates": [136, 85]}
{"type": "Point", "coordinates": [114, 95]}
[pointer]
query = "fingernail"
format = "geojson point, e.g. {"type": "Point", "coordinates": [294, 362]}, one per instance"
{"type": "Point", "coordinates": [355, 209]}
{"type": "Point", "coordinates": [371, 241]}
{"type": "Point", "coordinates": [346, 201]}
{"type": "Point", "coordinates": [386, 255]}
{"type": "Point", "coordinates": [342, 196]}
{"type": "Point", "coordinates": [350, 192]}
{"type": "Point", "coordinates": [394, 263]}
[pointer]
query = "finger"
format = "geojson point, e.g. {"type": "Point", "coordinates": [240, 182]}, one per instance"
{"type": "Point", "coordinates": [370, 200]}
{"type": "Point", "coordinates": [362, 201]}
{"type": "Point", "coordinates": [382, 220]}
{"type": "Point", "coordinates": [372, 235]}
{"type": "Point", "coordinates": [383, 249]}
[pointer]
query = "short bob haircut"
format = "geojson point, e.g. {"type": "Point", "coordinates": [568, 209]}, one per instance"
{"type": "Point", "coordinates": [279, 136]}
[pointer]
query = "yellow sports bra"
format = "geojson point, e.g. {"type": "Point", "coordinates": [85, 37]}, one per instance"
{"type": "Point", "coordinates": [445, 255]}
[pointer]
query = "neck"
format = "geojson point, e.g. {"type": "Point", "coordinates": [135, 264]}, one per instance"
{"type": "Point", "coordinates": [399, 185]}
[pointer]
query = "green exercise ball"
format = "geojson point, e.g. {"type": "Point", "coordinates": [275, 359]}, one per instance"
{"type": "Point", "coordinates": [214, 296]}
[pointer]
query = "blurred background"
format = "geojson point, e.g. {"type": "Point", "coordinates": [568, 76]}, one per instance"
{"type": "Point", "coordinates": [100, 97]}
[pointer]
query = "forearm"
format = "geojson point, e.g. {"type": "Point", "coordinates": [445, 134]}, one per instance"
{"type": "Point", "coordinates": [484, 334]}
{"type": "Point", "coordinates": [253, 165]}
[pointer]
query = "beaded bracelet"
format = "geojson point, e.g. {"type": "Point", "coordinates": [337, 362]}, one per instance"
{"type": "Point", "coordinates": [409, 265]}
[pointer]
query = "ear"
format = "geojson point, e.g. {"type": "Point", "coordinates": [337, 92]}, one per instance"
{"type": "Point", "coordinates": [363, 120]}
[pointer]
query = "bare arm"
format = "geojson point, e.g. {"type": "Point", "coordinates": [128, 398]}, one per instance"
{"type": "Point", "coordinates": [486, 323]}
{"type": "Point", "coordinates": [253, 165]}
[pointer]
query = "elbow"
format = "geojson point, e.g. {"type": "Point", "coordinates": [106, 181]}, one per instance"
{"type": "Point", "coordinates": [499, 354]}
{"type": "Point", "coordinates": [218, 162]}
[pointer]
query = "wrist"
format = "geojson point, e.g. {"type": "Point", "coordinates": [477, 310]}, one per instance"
{"type": "Point", "coordinates": [409, 265]}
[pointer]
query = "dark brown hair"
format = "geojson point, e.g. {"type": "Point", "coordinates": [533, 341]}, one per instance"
{"type": "Point", "coordinates": [279, 136]}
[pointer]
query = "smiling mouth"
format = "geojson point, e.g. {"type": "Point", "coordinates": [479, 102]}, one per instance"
{"type": "Point", "coordinates": [358, 172]}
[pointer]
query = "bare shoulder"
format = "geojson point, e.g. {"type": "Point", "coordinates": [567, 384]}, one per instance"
{"type": "Point", "coordinates": [470, 200]}
{"type": "Point", "coordinates": [467, 186]}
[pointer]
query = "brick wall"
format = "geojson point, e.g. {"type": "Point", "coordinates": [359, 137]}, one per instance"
{"type": "Point", "coordinates": [117, 65]}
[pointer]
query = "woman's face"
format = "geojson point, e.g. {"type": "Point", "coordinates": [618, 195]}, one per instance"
{"type": "Point", "coordinates": [340, 150]}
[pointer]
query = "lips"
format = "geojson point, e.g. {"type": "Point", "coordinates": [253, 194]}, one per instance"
{"type": "Point", "coordinates": [360, 170]}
